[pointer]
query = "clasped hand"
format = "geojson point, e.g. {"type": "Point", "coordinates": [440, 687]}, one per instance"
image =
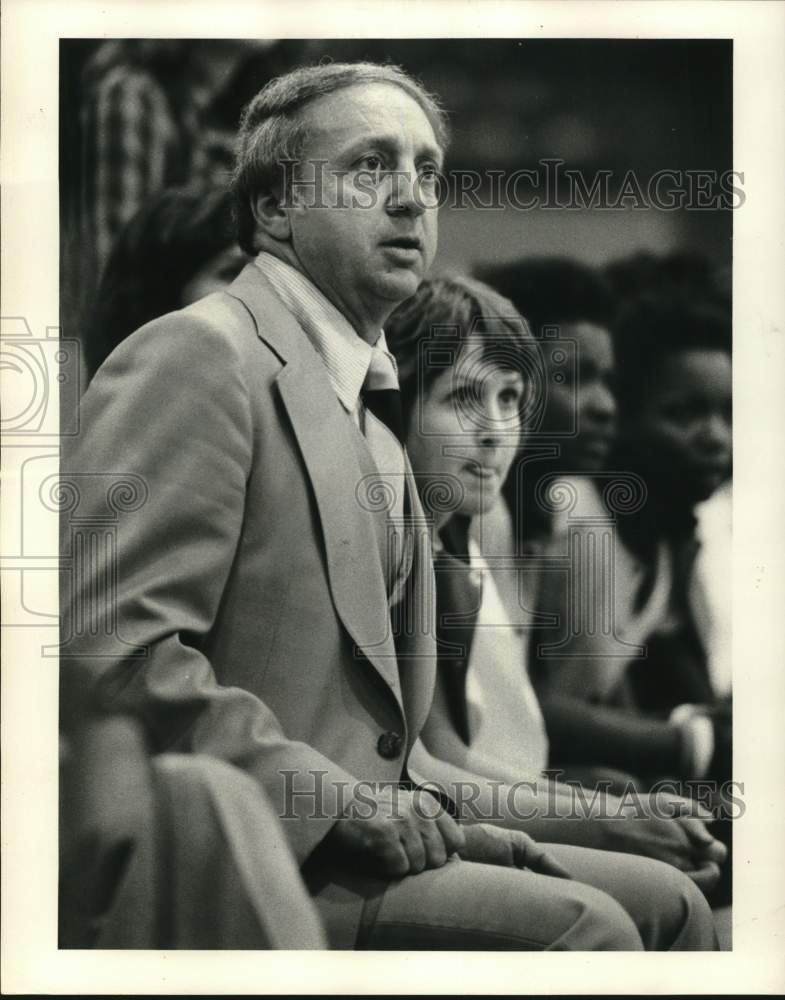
{"type": "Point", "coordinates": [399, 832]}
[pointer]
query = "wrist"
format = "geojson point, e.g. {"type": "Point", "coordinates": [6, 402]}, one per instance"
{"type": "Point", "coordinates": [697, 740]}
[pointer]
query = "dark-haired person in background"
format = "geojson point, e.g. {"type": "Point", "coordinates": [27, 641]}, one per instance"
{"type": "Point", "coordinates": [674, 393]}
{"type": "Point", "coordinates": [570, 309]}
{"type": "Point", "coordinates": [180, 246]}
{"type": "Point", "coordinates": [675, 406]}
{"type": "Point", "coordinates": [609, 714]}
{"type": "Point", "coordinates": [576, 304]}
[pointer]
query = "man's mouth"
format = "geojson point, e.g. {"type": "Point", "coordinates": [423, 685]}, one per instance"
{"type": "Point", "coordinates": [409, 243]}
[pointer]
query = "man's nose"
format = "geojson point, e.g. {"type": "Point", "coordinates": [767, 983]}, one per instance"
{"type": "Point", "coordinates": [406, 195]}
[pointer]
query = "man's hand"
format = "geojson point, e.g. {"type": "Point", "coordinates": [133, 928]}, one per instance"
{"type": "Point", "coordinates": [494, 845]}
{"type": "Point", "coordinates": [396, 832]}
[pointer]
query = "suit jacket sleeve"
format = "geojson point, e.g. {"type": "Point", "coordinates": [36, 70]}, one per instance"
{"type": "Point", "coordinates": [170, 412]}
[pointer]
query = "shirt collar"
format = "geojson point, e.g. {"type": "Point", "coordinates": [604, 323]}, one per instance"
{"type": "Point", "coordinates": [344, 352]}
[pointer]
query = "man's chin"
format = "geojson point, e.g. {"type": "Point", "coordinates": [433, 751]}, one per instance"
{"type": "Point", "coordinates": [400, 284]}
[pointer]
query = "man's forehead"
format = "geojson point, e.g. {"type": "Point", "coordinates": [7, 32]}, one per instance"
{"type": "Point", "coordinates": [369, 110]}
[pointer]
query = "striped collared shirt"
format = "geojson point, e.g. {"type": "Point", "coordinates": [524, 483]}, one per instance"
{"type": "Point", "coordinates": [345, 354]}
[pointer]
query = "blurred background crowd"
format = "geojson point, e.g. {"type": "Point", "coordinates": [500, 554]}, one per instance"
{"type": "Point", "coordinates": [141, 116]}
{"type": "Point", "coordinates": [147, 129]}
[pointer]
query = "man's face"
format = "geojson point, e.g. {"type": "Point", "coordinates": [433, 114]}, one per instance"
{"type": "Point", "coordinates": [682, 430]}
{"type": "Point", "coordinates": [582, 399]}
{"type": "Point", "coordinates": [464, 430]}
{"type": "Point", "coordinates": [370, 248]}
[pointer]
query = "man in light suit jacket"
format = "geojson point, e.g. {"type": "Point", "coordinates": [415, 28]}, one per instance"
{"type": "Point", "coordinates": [247, 600]}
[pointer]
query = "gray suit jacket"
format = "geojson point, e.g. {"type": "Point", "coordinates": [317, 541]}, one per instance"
{"type": "Point", "coordinates": [246, 615]}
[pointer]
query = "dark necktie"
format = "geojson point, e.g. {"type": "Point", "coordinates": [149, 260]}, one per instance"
{"type": "Point", "coordinates": [380, 393]}
{"type": "Point", "coordinates": [384, 435]}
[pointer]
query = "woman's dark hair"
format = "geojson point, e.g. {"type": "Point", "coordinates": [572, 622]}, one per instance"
{"type": "Point", "coordinates": [654, 327]}
{"type": "Point", "coordinates": [551, 291]}
{"type": "Point", "coordinates": [426, 332]}
{"type": "Point", "coordinates": [163, 246]}
{"type": "Point", "coordinates": [684, 273]}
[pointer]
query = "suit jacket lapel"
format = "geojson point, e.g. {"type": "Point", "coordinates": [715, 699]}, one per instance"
{"type": "Point", "coordinates": [323, 433]}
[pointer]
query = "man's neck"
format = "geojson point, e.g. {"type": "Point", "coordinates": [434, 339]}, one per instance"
{"type": "Point", "coordinates": [366, 328]}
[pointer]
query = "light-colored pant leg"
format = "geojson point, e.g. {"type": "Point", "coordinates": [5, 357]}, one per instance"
{"type": "Point", "coordinates": [670, 912]}
{"type": "Point", "coordinates": [468, 906]}
{"type": "Point", "coordinates": [216, 872]}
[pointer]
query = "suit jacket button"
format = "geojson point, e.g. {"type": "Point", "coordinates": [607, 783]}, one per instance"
{"type": "Point", "coordinates": [390, 745]}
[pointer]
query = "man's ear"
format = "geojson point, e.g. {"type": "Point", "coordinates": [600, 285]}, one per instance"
{"type": "Point", "coordinates": [270, 217]}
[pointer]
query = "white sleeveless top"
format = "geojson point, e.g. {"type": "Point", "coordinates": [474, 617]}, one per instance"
{"type": "Point", "coordinates": [505, 721]}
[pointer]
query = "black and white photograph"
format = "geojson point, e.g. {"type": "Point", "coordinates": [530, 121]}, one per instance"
{"type": "Point", "coordinates": [390, 591]}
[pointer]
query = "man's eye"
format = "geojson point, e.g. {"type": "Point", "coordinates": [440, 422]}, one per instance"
{"type": "Point", "coordinates": [371, 165]}
{"type": "Point", "coordinates": [428, 172]}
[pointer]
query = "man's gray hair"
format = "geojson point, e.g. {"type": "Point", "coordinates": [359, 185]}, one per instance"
{"type": "Point", "coordinates": [272, 130]}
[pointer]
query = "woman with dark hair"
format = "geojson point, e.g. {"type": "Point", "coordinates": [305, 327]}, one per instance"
{"type": "Point", "coordinates": [644, 713]}
{"type": "Point", "coordinates": [598, 703]}
{"type": "Point", "coordinates": [466, 363]}
{"type": "Point", "coordinates": [651, 693]}
{"type": "Point", "coordinates": [179, 247]}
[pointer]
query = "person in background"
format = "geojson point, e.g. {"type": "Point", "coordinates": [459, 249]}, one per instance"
{"type": "Point", "coordinates": [575, 670]}
{"type": "Point", "coordinates": [675, 401]}
{"type": "Point", "coordinates": [463, 395]}
{"type": "Point", "coordinates": [660, 706]}
{"type": "Point", "coordinates": [690, 275]}
{"type": "Point", "coordinates": [138, 118]}
{"type": "Point", "coordinates": [601, 723]}
{"type": "Point", "coordinates": [570, 309]}
{"type": "Point", "coordinates": [143, 123]}
{"type": "Point", "coordinates": [639, 695]}
{"type": "Point", "coordinates": [180, 246]}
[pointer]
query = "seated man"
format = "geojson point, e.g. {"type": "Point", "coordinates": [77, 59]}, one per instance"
{"type": "Point", "coordinates": [249, 610]}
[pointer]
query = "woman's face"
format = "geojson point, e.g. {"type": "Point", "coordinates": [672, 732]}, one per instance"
{"type": "Point", "coordinates": [682, 430]}
{"type": "Point", "coordinates": [464, 432]}
{"type": "Point", "coordinates": [580, 404]}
